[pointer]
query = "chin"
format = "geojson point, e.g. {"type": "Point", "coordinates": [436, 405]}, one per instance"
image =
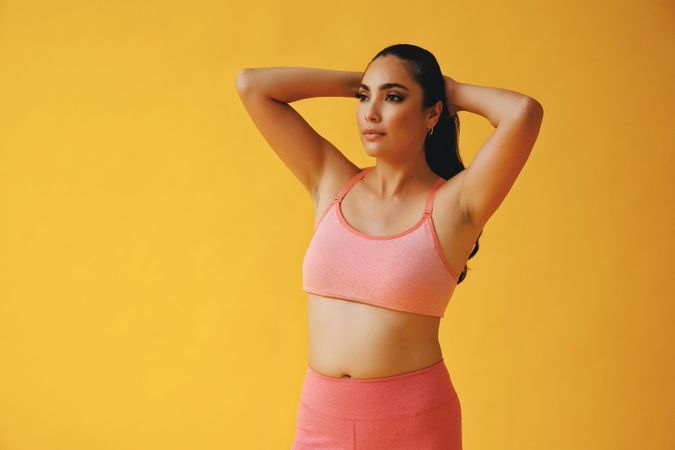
{"type": "Point", "coordinates": [374, 153]}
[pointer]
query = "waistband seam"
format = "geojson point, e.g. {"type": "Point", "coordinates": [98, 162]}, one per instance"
{"type": "Point", "coordinates": [394, 378]}
{"type": "Point", "coordinates": [425, 410]}
{"type": "Point", "coordinates": [323, 413]}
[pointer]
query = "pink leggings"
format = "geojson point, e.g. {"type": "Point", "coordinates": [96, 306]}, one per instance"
{"type": "Point", "coordinates": [417, 410]}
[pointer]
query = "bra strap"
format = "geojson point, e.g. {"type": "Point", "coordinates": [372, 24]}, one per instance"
{"type": "Point", "coordinates": [351, 182]}
{"type": "Point", "coordinates": [432, 194]}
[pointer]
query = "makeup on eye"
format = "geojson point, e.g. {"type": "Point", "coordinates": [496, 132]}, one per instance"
{"type": "Point", "coordinates": [399, 98]}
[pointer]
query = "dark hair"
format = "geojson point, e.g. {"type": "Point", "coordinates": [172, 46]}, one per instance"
{"type": "Point", "coordinates": [442, 147]}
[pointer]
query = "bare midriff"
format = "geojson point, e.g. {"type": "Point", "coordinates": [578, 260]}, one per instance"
{"type": "Point", "coordinates": [348, 339]}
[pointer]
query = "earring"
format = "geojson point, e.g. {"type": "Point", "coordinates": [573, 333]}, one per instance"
{"type": "Point", "coordinates": [431, 130]}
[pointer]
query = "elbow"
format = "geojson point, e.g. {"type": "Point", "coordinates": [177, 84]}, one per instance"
{"type": "Point", "coordinates": [242, 80]}
{"type": "Point", "coordinates": [533, 107]}
{"type": "Point", "coordinates": [524, 109]}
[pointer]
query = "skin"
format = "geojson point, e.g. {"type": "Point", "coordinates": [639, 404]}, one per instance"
{"type": "Point", "coordinates": [355, 340]}
{"type": "Point", "coordinates": [351, 338]}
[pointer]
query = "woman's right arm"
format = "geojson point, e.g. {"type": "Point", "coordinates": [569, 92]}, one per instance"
{"type": "Point", "coordinates": [266, 93]}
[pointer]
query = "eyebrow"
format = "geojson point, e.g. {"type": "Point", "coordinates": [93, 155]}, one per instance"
{"type": "Point", "coordinates": [385, 86]}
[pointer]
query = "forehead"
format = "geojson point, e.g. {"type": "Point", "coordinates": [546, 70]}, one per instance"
{"type": "Point", "coordinates": [388, 69]}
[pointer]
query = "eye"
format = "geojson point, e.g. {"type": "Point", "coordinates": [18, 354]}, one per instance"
{"type": "Point", "coordinates": [363, 96]}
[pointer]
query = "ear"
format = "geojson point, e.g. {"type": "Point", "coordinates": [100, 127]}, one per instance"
{"type": "Point", "coordinates": [434, 113]}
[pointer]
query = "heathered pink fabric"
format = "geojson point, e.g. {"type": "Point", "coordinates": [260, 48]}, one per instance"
{"type": "Point", "coordinates": [406, 271]}
{"type": "Point", "coordinates": [415, 410]}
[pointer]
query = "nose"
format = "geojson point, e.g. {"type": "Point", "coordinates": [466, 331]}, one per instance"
{"type": "Point", "coordinates": [372, 114]}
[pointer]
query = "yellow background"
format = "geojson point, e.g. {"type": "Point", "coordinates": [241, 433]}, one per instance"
{"type": "Point", "coordinates": [151, 242]}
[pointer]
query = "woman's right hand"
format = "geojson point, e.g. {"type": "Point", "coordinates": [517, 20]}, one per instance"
{"type": "Point", "coordinates": [450, 90]}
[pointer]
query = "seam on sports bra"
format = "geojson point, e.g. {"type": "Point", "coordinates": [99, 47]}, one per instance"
{"type": "Point", "coordinates": [337, 197]}
{"type": "Point", "coordinates": [427, 216]}
{"type": "Point", "coordinates": [328, 208]}
{"type": "Point", "coordinates": [439, 249]}
{"type": "Point", "coordinates": [359, 300]}
{"type": "Point", "coordinates": [353, 230]}
{"type": "Point", "coordinates": [356, 179]}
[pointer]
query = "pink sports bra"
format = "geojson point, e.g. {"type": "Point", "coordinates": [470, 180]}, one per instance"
{"type": "Point", "coordinates": [406, 271]}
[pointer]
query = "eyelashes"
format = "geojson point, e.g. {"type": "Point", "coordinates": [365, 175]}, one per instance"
{"type": "Point", "coordinates": [363, 96]}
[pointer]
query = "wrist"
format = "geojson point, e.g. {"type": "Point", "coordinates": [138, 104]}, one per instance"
{"type": "Point", "coordinates": [352, 83]}
{"type": "Point", "coordinates": [451, 88]}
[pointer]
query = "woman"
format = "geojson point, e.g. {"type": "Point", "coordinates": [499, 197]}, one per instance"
{"type": "Point", "coordinates": [388, 239]}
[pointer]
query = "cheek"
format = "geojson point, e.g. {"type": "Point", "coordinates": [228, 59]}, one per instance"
{"type": "Point", "coordinates": [404, 121]}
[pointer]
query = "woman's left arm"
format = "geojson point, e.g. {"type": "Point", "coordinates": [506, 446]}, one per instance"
{"type": "Point", "coordinates": [517, 119]}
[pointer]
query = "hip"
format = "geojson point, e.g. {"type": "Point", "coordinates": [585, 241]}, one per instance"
{"type": "Point", "coordinates": [418, 409]}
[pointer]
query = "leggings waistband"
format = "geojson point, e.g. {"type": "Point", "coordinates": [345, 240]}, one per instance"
{"type": "Point", "coordinates": [399, 395]}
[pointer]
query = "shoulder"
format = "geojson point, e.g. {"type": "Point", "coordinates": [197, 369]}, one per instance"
{"type": "Point", "coordinates": [333, 177]}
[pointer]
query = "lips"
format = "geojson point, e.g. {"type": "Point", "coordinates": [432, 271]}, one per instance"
{"type": "Point", "coordinates": [373, 136]}
{"type": "Point", "coordinates": [372, 132]}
